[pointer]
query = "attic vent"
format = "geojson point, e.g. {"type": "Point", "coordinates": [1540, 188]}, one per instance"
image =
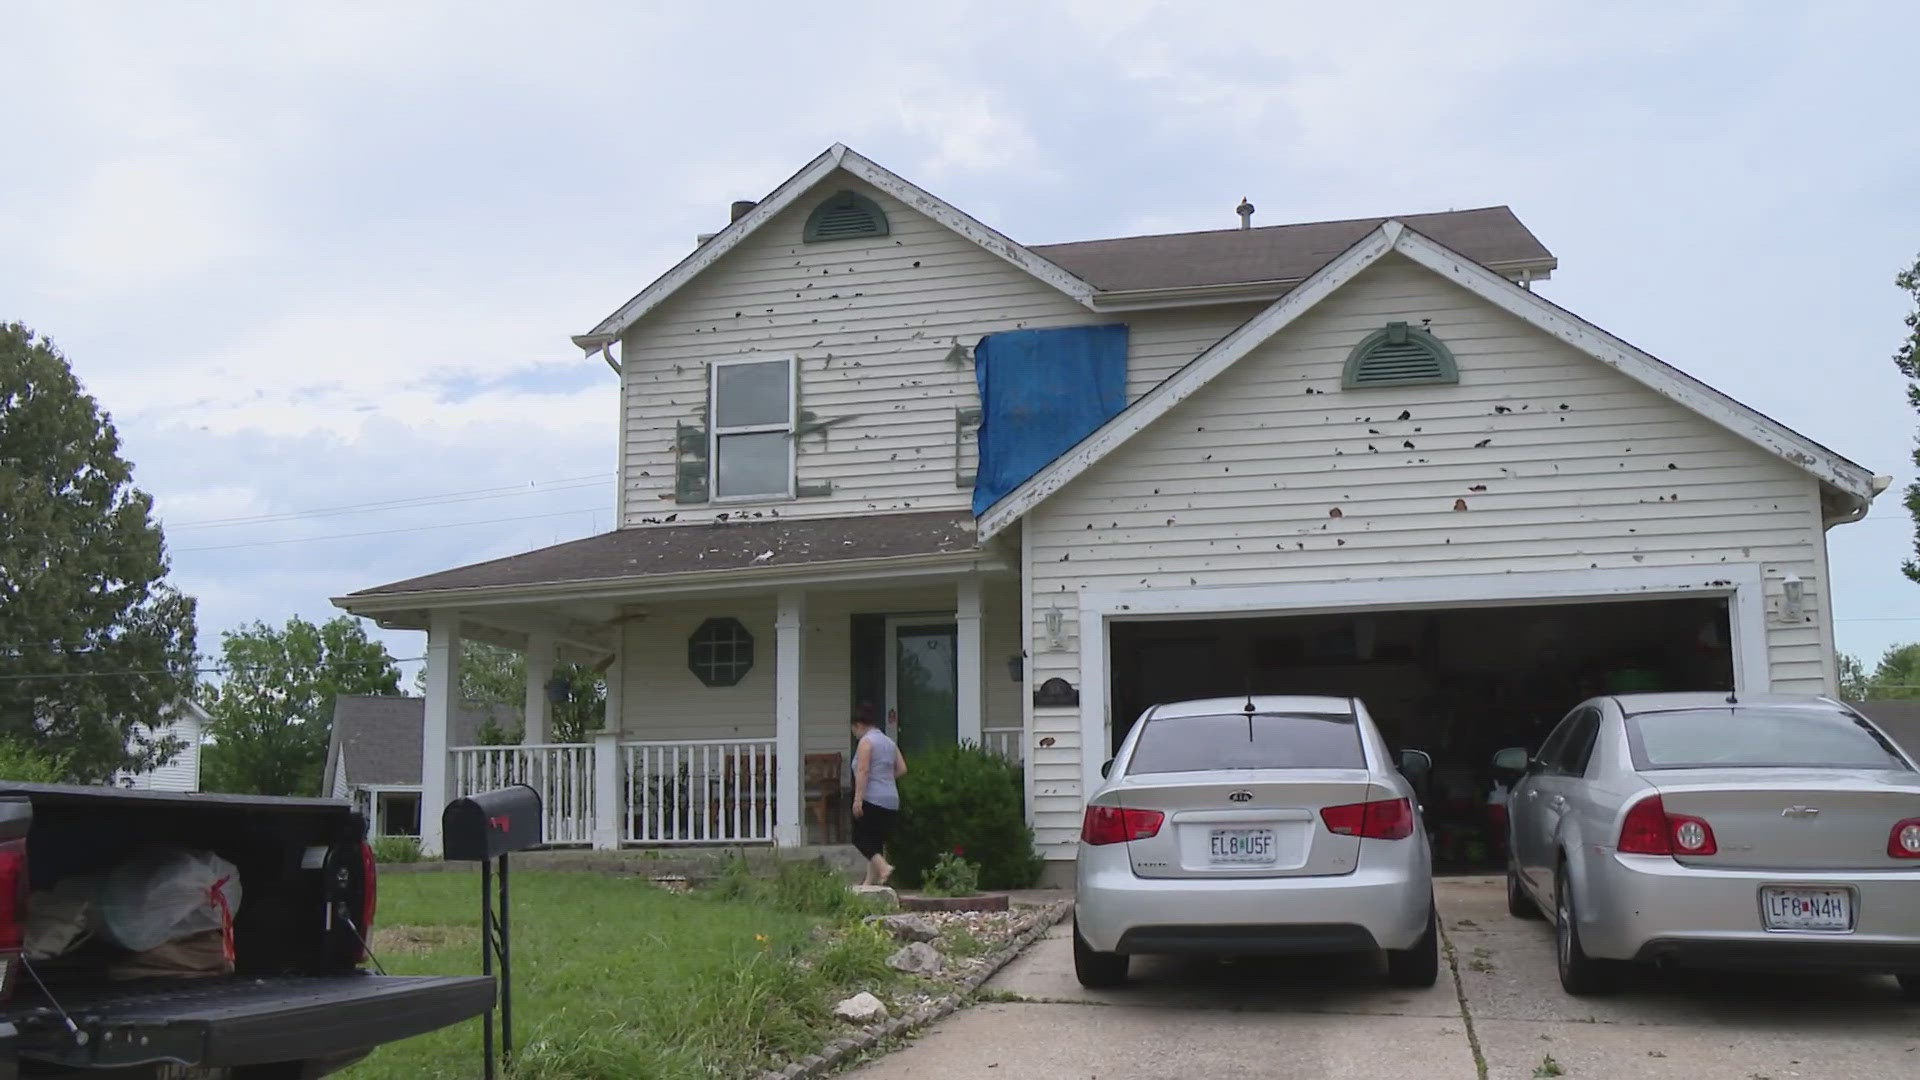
{"type": "Point", "coordinates": [1399, 355]}
{"type": "Point", "coordinates": [844, 217]}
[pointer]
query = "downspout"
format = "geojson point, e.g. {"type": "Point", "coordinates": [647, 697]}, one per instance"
{"type": "Point", "coordinates": [606, 353]}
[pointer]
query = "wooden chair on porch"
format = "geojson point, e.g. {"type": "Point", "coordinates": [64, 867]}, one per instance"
{"type": "Point", "coordinates": [824, 798]}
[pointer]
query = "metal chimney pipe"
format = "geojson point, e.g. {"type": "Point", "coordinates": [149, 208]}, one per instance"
{"type": "Point", "coordinates": [1245, 210]}
{"type": "Point", "coordinates": [741, 207]}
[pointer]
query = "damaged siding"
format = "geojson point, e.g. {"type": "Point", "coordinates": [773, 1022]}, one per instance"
{"type": "Point", "coordinates": [1540, 459]}
{"type": "Point", "coordinates": [874, 323]}
{"type": "Point", "coordinates": [661, 699]}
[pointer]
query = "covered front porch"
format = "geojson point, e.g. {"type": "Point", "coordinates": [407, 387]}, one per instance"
{"type": "Point", "coordinates": [728, 696]}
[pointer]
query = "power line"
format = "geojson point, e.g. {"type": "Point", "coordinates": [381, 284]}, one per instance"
{"type": "Point", "coordinates": [533, 487]}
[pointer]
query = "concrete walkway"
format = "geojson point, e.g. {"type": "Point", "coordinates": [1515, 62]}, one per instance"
{"type": "Point", "coordinates": [1335, 1019]}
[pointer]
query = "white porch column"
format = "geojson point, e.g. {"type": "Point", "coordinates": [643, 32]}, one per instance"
{"type": "Point", "coordinates": [443, 693]}
{"type": "Point", "coordinates": [967, 613]}
{"type": "Point", "coordinates": [540, 653]}
{"type": "Point", "coordinates": [789, 628]}
{"type": "Point", "coordinates": [609, 778]}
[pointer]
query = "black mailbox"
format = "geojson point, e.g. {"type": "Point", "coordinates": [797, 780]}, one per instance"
{"type": "Point", "coordinates": [491, 824]}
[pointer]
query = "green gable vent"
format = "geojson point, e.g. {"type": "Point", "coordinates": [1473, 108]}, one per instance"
{"type": "Point", "coordinates": [844, 217]}
{"type": "Point", "coordinates": [1399, 355]}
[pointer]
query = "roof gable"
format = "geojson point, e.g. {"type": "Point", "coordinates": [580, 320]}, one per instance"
{"type": "Point", "coordinates": [837, 158]}
{"type": "Point", "coordinates": [1854, 482]}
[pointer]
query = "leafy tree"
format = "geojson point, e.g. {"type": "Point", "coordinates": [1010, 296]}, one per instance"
{"type": "Point", "coordinates": [92, 639]}
{"type": "Point", "coordinates": [492, 675]}
{"type": "Point", "coordinates": [1854, 684]}
{"type": "Point", "coordinates": [1897, 676]}
{"type": "Point", "coordinates": [271, 716]}
{"type": "Point", "coordinates": [1907, 359]}
{"type": "Point", "coordinates": [25, 764]}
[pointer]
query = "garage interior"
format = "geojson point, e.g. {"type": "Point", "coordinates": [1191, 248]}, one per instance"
{"type": "Point", "coordinates": [1458, 683]}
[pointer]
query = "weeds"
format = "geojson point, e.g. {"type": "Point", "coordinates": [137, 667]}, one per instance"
{"type": "Point", "coordinates": [1548, 1067]}
{"type": "Point", "coordinates": [960, 943]}
{"type": "Point", "coordinates": [396, 849]}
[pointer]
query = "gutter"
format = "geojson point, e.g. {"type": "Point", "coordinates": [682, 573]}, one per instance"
{"type": "Point", "coordinates": [369, 605]}
{"type": "Point", "coordinates": [1531, 270]}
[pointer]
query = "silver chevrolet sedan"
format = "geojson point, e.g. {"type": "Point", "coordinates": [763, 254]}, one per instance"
{"type": "Point", "coordinates": [1237, 826]}
{"type": "Point", "coordinates": [1719, 831]}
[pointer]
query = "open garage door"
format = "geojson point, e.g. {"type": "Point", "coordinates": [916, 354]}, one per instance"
{"type": "Point", "coordinates": [1458, 683]}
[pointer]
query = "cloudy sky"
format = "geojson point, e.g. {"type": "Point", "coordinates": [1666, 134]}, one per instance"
{"type": "Point", "coordinates": [321, 261]}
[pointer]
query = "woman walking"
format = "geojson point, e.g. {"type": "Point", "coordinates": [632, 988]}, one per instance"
{"type": "Point", "coordinates": [877, 766]}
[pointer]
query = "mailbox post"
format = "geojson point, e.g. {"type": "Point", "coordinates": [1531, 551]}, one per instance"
{"type": "Point", "coordinates": [482, 828]}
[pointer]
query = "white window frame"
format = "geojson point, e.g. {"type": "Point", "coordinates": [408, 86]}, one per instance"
{"type": "Point", "coordinates": [715, 431]}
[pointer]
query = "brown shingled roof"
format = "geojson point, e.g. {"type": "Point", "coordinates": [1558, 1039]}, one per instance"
{"type": "Point", "coordinates": [1492, 236]}
{"type": "Point", "coordinates": [735, 545]}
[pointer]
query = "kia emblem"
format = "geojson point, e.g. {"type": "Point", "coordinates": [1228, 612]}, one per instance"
{"type": "Point", "coordinates": [1241, 796]}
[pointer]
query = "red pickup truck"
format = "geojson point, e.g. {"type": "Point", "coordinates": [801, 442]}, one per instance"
{"type": "Point", "coordinates": [298, 1002]}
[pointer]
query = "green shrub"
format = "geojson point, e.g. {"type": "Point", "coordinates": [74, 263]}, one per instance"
{"type": "Point", "coordinates": [952, 875]}
{"type": "Point", "coordinates": [396, 849]}
{"type": "Point", "coordinates": [964, 797]}
{"type": "Point", "coordinates": [29, 766]}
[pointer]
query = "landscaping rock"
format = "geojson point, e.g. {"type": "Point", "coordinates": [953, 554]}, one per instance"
{"type": "Point", "coordinates": [918, 958]}
{"type": "Point", "coordinates": [880, 895]}
{"type": "Point", "coordinates": [909, 927]}
{"type": "Point", "coordinates": [861, 1008]}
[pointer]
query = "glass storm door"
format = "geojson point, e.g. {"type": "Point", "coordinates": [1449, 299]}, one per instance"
{"type": "Point", "coordinates": [922, 683]}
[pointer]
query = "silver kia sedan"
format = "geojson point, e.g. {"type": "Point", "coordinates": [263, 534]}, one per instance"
{"type": "Point", "coordinates": [1719, 831]}
{"type": "Point", "coordinates": [1262, 825]}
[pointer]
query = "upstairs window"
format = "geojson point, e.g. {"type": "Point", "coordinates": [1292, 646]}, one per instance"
{"type": "Point", "coordinates": [844, 217]}
{"type": "Point", "coordinates": [1399, 355]}
{"type": "Point", "coordinates": [751, 447]}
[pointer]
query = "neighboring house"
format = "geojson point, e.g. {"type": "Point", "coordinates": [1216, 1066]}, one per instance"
{"type": "Point", "coordinates": [1344, 457]}
{"type": "Point", "coordinates": [186, 722]}
{"type": "Point", "coordinates": [373, 755]}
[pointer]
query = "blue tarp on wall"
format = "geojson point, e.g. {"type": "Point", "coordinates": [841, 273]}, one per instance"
{"type": "Point", "coordinates": [1041, 391]}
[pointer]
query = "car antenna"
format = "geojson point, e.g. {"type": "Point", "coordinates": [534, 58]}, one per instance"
{"type": "Point", "coordinates": [1249, 710]}
{"type": "Point", "coordinates": [1731, 700]}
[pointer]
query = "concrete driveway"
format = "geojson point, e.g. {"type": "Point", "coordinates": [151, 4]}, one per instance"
{"type": "Point", "coordinates": [1503, 1017]}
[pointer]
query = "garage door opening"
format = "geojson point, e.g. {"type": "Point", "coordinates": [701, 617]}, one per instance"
{"type": "Point", "coordinates": [1459, 683]}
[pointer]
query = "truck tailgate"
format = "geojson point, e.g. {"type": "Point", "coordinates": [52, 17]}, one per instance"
{"type": "Point", "coordinates": [242, 1021]}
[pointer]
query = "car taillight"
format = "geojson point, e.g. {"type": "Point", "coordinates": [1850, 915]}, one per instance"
{"type": "Point", "coordinates": [369, 896]}
{"type": "Point", "coordinates": [1387, 819]}
{"type": "Point", "coordinates": [1904, 841]}
{"type": "Point", "coordinates": [1650, 830]}
{"type": "Point", "coordinates": [1116, 824]}
{"type": "Point", "coordinates": [13, 896]}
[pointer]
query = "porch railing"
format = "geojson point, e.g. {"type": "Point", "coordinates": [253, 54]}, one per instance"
{"type": "Point", "coordinates": [561, 772]}
{"type": "Point", "coordinates": [1004, 741]}
{"type": "Point", "coordinates": [709, 791]}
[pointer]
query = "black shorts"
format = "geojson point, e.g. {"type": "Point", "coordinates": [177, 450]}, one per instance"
{"type": "Point", "coordinates": [873, 828]}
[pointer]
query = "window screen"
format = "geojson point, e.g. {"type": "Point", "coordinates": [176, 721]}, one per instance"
{"type": "Point", "coordinates": [1757, 737]}
{"type": "Point", "coordinates": [1278, 741]}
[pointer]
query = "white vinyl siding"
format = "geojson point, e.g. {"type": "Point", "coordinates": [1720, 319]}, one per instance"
{"type": "Point", "coordinates": [661, 699]}
{"type": "Point", "coordinates": [873, 325]}
{"type": "Point", "coordinates": [182, 773]}
{"type": "Point", "coordinates": [1540, 459]}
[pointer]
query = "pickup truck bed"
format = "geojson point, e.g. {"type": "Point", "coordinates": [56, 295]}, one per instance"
{"type": "Point", "coordinates": [241, 1021]}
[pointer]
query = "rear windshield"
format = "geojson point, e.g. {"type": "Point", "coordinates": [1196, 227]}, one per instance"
{"type": "Point", "coordinates": [1756, 737]}
{"type": "Point", "coordinates": [1271, 741]}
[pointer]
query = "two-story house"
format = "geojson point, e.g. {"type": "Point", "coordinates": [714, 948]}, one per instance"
{"type": "Point", "coordinates": [876, 455]}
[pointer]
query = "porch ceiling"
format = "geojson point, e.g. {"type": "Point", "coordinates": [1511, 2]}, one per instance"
{"type": "Point", "coordinates": [683, 554]}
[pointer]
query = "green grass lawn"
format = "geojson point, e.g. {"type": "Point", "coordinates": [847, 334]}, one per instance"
{"type": "Point", "coordinates": [616, 978]}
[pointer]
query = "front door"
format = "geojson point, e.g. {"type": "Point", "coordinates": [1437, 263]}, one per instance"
{"type": "Point", "coordinates": [923, 679]}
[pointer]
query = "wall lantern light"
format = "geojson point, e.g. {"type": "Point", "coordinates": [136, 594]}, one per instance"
{"type": "Point", "coordinates": [1794, 597]}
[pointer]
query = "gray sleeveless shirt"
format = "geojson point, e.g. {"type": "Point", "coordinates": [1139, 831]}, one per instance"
{"type": "Point", "coordinates": [882, 790]}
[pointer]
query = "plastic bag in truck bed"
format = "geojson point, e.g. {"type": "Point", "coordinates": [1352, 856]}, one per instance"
{"type": "Point", "coordinates": [169, 893]}
{"type": "Point", "coordinates": [62, 918]}
{"type": "Point", "coordinates": [195, 956]}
